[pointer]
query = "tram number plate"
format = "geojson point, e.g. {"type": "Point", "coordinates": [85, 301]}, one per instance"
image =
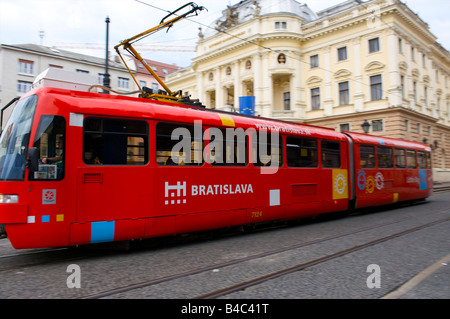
{"type": "Point", "coordinates": [257, 214]}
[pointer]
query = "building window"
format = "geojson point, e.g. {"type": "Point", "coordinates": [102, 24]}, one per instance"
{"type": "Point", "coordinates": [374, 45]}
{"type": "Point", "coordinates": [413, 54]}
{"type": "Point", "coordinates": [377, 125]}
{"type": "Point", "coordinates": [280, 25]}
{"type": "Point", "coordinates": [342, 54]}
{"type": "Point", "coordinates": [314, 60]}
{"type": "Point", "coordinates": [26, 67]}
{"type": "Point", "coordinates": [344, 93]}
{"type": "Point", "coordinates": [123, 83]}
{"type": "Point", "coordinates": [142, 83]}
{"type": "Point", "coordinates": [315, 98]}
{"type": "Point", "coordinates": [287, 101]}
{"type": "Point", "coordinates": [400, 45]}
{"type": "Point", "coordinates": [424, 60]}
{"type": "Point", "coordinates": [376, 87]}
{"type": "Point", "coordinates": [344, 127]}
{"type": "Point", "coordinates": [23, 87]}
{"type": "Point", "coordinates": [211, 77]}
{"type": "Point", "coordinates": [248, 65]}
{"type": "Point", "coordinates": [407, 125]}
{"type": "Point", "coordinates": [228, 71]}
{"type": "Point", "coordinates": [419, 128]}
{"type": "Point", "coordinates": [425, 95]}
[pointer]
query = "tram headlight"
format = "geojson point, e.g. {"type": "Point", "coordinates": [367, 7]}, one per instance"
{"type": "Point", "coordinates": [9, 199]}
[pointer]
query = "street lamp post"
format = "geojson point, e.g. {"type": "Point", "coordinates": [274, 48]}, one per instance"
{"type": "Point", "coordinates": [366, 127]}
{"type": "Point", "coordinates": [106, 76]}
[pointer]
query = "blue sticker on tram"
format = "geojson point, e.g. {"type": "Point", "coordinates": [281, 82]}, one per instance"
{"type": "Point", "coordinates": [102, 232]}
{"type": "Point", "coordinates": [423, 180]}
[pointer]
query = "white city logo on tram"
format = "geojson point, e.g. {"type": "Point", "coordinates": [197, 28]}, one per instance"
{"type": "Point", "coordinates": [177, 193]}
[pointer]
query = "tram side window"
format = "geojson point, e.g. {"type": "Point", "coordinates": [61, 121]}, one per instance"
{"type": "Point", "coordinates": [228, 147]}
{"type": "Point", "coordinates": [411, 157]}
{"type": "Point", "coordinates": [422, 159]}
{"type": "Point", "coordinates": [265, 149]}
{"type": "Point", "coordinates": [429, 163]}
{"type": "Point", "coordinates": [367, 156]}
{"type": "Point", "coordinates": [331, 154]}
{"type": "Point", "coordinates": [385, 157]}
{"type": "Point", "coordinates": [179, 145]}
{"type": "Point", "coordinates": [115, 142]}
{"type": "Point", "coordinates": [302, 152]}
{"type": "Point", "coordinates": [400, 158]}
{"type": "Point", "coordinates": [49, 141]}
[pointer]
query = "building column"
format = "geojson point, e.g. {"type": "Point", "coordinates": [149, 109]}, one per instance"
{"type": "Point", "coordinates": [302, 105]}
{"type": "Point", "coordinates": [267, 87]}
{"type": "Point", "coordinates": [200, 92]}
{"type": "Point", "coordinates": [358, 96]}
{"type": "Point", "coordinates": [328, 97]}
{"type": "Point", "coordinates": [237, 85]}
{"type": "Point", "coordinates": [220, 102]}
{"type": "Point", "coordinates": [394, 90]}
{"type": "Point", "coordinates": [257, 80]}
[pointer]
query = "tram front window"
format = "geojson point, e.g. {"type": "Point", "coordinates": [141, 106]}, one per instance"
{"type": "Point", "coordinates": [15, 139]}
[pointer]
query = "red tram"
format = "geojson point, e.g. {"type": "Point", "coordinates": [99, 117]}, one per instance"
{"type": "Point", "coordinates": [79, 168]}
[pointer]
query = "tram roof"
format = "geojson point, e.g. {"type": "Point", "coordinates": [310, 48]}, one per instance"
{"type": "Point", "coordinates": [360, 138]}
{"type": "Point", "coordinates": [97, 104]}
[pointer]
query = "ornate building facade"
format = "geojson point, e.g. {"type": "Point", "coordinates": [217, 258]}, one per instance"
{"type": "Point", "coordinates": [373, 61]}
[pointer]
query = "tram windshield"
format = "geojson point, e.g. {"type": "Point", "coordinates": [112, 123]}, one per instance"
{"type": "Point", "coordinates": [15, 139]}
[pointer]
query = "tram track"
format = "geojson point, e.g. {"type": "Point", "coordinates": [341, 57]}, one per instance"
{"type": "Point", "coordinates": [299, 267]}
{"type": "Point", "coordinates": [42, 257]}
{"type": "Point", "coordinates": [273, 275]}
{"type": "Point", "coordinates": [32, 258]}
{"type": "Point", "coordinates": [441, 189]}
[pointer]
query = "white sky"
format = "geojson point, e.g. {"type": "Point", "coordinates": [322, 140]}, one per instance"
{"type": "Point", "coordinates": [73, 23]}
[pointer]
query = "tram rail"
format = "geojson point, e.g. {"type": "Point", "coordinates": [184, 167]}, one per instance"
{"type": "Point", "coordinates": [246, 284]}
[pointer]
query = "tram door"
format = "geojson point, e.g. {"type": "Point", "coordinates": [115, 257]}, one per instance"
{"type": "Point", "coordinates": [50, 188]}
{"type": "Point", "coordinates": [113, 183]}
